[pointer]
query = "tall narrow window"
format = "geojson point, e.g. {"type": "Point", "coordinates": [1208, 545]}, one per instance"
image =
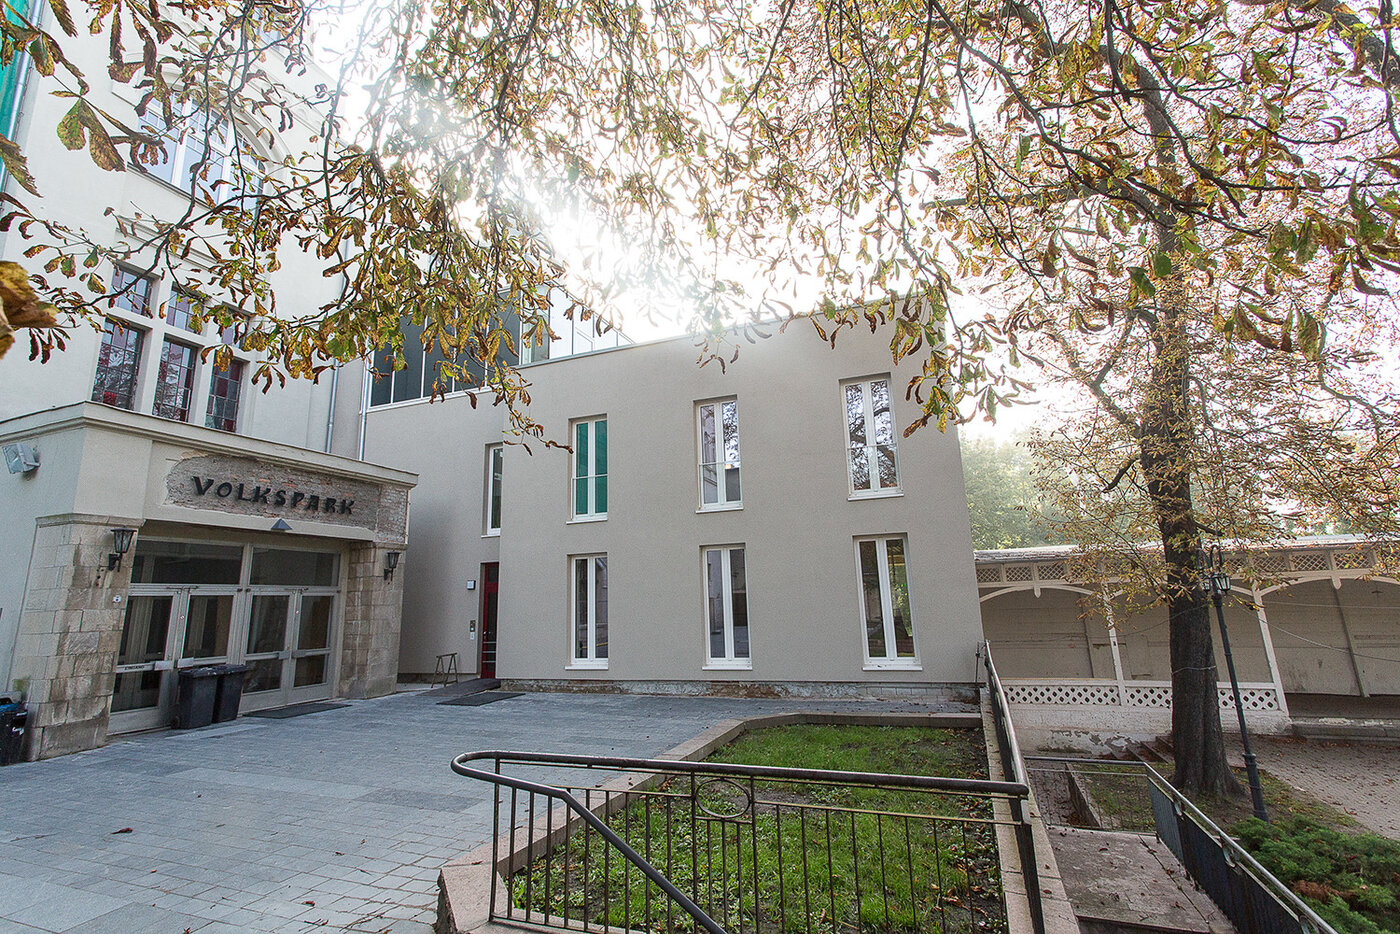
{"type": "Point", "coordinates": [719, 454]}
{"type": "Point", "coordinates": [884, 597]}
{"type": "Point", "coordinates": [185, 311]}
{"type": "Point", "coordinates": [871, 457]}
{"type": "Point", "coordinates": [117, 362]}
{"type": "Point", "coordinates": [130, 292]}
{"type": "Point", "coordinates": [174, 382]}
{"type": "Point", "coordinates": [590, 473]}
{"type": "Point", "coordinates": [726, 608]}
{"type": "Point", "coordinates": [225, 388]}
{"type": "Point", "coordinates": [589, 602]}
{"type": "Point", "coordinates": [495, 460]}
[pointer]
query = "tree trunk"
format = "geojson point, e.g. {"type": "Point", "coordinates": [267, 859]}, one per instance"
{"type": "Point", "coordinates": [1165, 444]}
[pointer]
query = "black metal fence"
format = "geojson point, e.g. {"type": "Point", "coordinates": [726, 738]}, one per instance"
{"type": "Point", "coordinates": [1134, 797]}
{"type": "Point", "coordinates": [688, 846]}
{"type": "Point", "coordinates": [1254, 900]}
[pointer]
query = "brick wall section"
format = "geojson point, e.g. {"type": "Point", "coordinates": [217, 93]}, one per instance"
{"type": "Point", "coordinates": [369, 658]}
{"type": "Point", "coordinates": [69, 633]}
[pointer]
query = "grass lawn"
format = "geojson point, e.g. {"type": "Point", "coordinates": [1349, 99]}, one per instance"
{"type": "Point", "coordinates": [800, 858]}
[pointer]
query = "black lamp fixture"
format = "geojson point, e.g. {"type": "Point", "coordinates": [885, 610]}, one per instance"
{"type": "Point", "coordinates": [1215, 581]}
{"type": "Point", "coordinates": [121, 544]}
{"type": "Point", "coordinates": [391, 561]}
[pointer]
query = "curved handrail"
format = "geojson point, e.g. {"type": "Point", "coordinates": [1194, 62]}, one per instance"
{"type": "Point", "coordinates": [607, 833]}
{"type": "Point", "coordinates": [970, 786]}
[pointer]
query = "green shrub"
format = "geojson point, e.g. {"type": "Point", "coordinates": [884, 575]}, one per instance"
{"type": "Point", "coordinates": [1351, 880]}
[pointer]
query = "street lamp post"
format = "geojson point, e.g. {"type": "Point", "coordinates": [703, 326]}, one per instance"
{"type": "Point", "coordinates": [1215, 578]}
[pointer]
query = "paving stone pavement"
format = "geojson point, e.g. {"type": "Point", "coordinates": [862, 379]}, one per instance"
{"type": "Point", "coordinates": [335, 821]}
{"type": "Point", "coordinates": [1358, 777]}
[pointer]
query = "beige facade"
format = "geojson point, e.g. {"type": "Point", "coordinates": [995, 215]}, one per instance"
{"type": "Point", "coordinates": [797, 520]}
{"type": "Point", "coordinates": [68, 643]}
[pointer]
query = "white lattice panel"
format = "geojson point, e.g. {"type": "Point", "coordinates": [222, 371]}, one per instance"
{"type": "Point", "coordinates": [1061, 695]}
{"type": "Point", "coordinates": [1149, 695]}
{"type": "Point", "coordinates": [1052, 571]}
{"type": "Point", "coordinates": [1353, 560]}
{"type": "Point", "coordinates": [1270, 563]}
{"type": "Point", "coordinates": [1105, 694]}
{"type": "Point", "coordinates": [1308, 561]}
{"type": "Point", "coordinates": [1252, 698]}
{"type": "Point", "coordinates": [1017, 573]}
{"type": "Point", "coordinates": [989, 574]}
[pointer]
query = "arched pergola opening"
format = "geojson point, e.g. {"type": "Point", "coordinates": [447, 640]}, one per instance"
{"type": "Point", "coordinates": [1336, 636]}
{"type": "Point", "coordinates": [1057, 632]}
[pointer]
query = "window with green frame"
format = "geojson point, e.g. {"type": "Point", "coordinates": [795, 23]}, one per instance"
{"type": "Point", "coordinates": [590, 473]}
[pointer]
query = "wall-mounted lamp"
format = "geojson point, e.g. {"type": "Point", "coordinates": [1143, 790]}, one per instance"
{"type": "Point", "coordinates": [121, 544]}
{"type": "Point", "coordinates": [391, 561]}
{"type": "Point", "coordinates": [21, 458]}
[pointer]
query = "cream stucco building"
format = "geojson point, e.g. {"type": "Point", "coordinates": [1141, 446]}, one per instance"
{"type": "Point", "coordinates": [761, 528]}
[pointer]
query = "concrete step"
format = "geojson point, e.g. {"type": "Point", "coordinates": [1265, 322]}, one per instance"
{"type": "Point", "coordinates": [1344, 728]}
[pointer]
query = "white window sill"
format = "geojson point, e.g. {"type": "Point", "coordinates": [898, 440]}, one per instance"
{"type": "Point", "coordinates": [722, 507]}
{"type": "Point", "coordinates": [875, 494]}
{"type": "Point", "coordinates": [579, 520]}
{"type": "Point", "coordinates": [723, 665]}
{"type": "Point", "coordinates": [495, 534]}
{"type": "Point", "coordinates": [585, 664]}
{"type": "Point", "coordinates": [903, 664]}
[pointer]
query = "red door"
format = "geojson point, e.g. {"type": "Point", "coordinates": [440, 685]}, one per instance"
{"type": "Point", "coordinates": [491, 577]}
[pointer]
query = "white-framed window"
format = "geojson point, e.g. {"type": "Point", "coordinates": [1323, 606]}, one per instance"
{"type": "Point", "coordinates": [588, 610]}
{"type": "Point", "coordinates": [225, 389]}
{"type": "Point", "coordinates": [717, 426]}
{"type": "Point", "coordinates": [871, 455]}
{"type": "Point", "coordinates": [726, 608]}
{"type": "Point", "coordinates": [157, 357]}
{"type": "Point", "coordinates": [495, 460]}
{"type": "Point", "coordinates": [884, 601]}
{"type": "Point", "coordinates": [590, 469]}
{"type": "Point", "coordinates": [118, 364]}
{"type": "Point", "coordinates": [199, 151]}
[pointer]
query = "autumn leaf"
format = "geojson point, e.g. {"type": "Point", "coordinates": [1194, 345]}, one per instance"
{"type": "Point", "coordinates": [17, 165]}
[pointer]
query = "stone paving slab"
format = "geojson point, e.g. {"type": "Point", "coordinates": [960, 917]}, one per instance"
{"type": "Point", "coordinates": [338, 821]}
{"type": "Point", "coordinates": [1133, 880]}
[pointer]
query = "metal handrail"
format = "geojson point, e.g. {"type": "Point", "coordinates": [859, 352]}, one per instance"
{"type": "Point", "coordinates": [966, 786]}
{"type": "Point", "coordinates": [647, 869]}
{"type": "Point", "coordinates": [1240, 855]}
{"type": "Point", "coordinates": [1015, 768]}
{"type": "Point", "coordinates": [465, 765]}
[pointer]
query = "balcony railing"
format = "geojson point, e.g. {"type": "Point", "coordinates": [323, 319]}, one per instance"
{"type": "Point", "coordinates": [672, 846]}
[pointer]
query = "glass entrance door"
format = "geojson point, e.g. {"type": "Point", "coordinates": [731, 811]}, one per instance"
{"type": "Point", "coordinates": [288, 651]}
{"type": "Point", "coordinates": [162, 633]}
{"type": "Point", "coordinates": [204, 603]}
{"type": "Point", "coordinates": [145, 689]}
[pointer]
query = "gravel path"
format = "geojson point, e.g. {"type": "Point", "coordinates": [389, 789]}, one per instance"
{"type": "Point", "coordinates": [1358, 778]}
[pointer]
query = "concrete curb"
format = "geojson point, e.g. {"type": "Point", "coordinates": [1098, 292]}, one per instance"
{"type": "Point", "coordinates": [1055, 904]}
